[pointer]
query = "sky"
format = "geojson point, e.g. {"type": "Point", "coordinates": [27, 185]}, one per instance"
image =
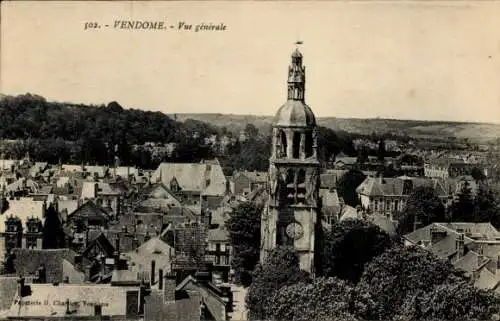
{"type": "Point", "coordinates": [428, 60]}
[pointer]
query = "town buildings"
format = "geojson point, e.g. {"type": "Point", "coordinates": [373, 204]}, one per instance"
{"type": "Point", "coordinates": [449, 167]}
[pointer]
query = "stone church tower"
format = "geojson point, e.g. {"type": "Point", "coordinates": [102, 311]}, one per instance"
{"type": "Point", "coordinates": [291, 215]}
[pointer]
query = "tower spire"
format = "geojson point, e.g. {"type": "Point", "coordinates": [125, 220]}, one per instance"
{"type": "Point", "coordinates": [296, 76]}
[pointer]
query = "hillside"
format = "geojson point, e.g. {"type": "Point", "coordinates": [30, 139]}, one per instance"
{"type": "Point", "coordinates": [412, 128]}
{"type": "Point", "coordinates": [55, 131]}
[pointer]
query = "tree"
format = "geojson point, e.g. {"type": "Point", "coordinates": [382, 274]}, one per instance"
{"type": "Point", "coordinates": [323, 299]}
{"type": "Point", "coordinates": [486, 206]}
{"type": "Point", "coordinates": [351, 244]}
{"type": "Point", "coordinates": [281, 268]}
{"type": "Point", "coordinates": [252, 154]}
{"type": "Point", "coordinates": [381, 150]}
{"type": "Point", "coordinates": [332, 142]}
{"type": "Point", "coordinates": [4, 204]}
{"type": "Point", "coordinates": [192, 150]}
{"type": "Point", "coordinates": [477, 174]}
{"type": "Point", "coordinates": [398, 276]}
{"type": "Point", "coordinates": [459, 300]}
{"type": "Point", "coordinates": [363, 154]}
{"type": "Point", "coordinates": [462, 210]}
{"type": "Point", "coordinates": [347, 185]}
{"type": "Point", "coordinates": [244, 231]}
{"type": "Point", "coordinates": [53, 234]}
{"type": "Point", "coordinates": [8, 266]}
{"type": "Point", "coordinates": [251, 130]}
{"type": "Point", "coordinates": [423, 207]}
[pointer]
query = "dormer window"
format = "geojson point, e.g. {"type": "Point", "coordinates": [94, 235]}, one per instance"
{"type": "Point", "coordinates": [174, 185]}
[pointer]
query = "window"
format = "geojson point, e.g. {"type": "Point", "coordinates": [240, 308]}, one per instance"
{"type": "Point", "coordinates": [31, 242]}
{"type": "Point", "coordinates": [97, 310]}
{"type": "Point", "coordinates": [296, 145]}
{"type": "Point", "coordinates": [282, 144]}
{"type": "Point", "coordinates": [301, 186]}
{"type": "Point", "coordinates": [309, 144]}
{"type": "Point", "coordinates": [290, 185]}
{"type": "Point", "coordinates": [223, 247]}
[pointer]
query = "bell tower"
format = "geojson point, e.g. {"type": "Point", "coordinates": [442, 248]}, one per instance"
{"type": "Point", "coordinates": [291, 215]}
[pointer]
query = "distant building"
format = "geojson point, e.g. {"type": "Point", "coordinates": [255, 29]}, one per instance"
{"type": "Point", "coordinates": [389, 195]}
{"type": "Point", "coordinates": [21, 225]}
{"type": "Point", "coordinates": [449, 167]}
{"type": "Point", "coordinates": [345, 162]}
{"type": "Point", "coordinates": [103, 194]}
{"type": "Point", "coordinates": [219, 251]}
{"type": "Point", "coordinates": [245, 182]}
{"type": "Point", "coordinates": [192, 180]}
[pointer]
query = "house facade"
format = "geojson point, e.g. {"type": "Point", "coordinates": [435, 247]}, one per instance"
{"type": "Point", "coordinates": [389, 195]}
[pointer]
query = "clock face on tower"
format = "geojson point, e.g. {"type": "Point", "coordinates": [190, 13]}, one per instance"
{"type": "Point", "coordinates": [294, 231]}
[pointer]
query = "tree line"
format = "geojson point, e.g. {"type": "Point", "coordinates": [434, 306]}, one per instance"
{"type": "Point", "coordinates": [98, 134]}
{"type": "Point", "coordinates": [424, 207]}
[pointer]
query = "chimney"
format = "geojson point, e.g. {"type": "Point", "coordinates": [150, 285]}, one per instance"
{"type": "Point", "coordinates": [20, 286]}
{"type": "Point", "coordinates": [135, 243]}
{"type": "Point", "coordinates": [160, 279]}
{"type": "Point", "coordinates": [153, 272]}
{"type": "Point", "coordinates": [460, 245]}
{"type": "Point", "coordinates": [117, 253]}
{"type": "Point", "coordinates": [117, 244]}
{"type": "Point", "coordinates": [42, 274]}
{"type": "Point", "coordinates": [68, 311]}
{"type": "Point", "coordinates": [169, 287]}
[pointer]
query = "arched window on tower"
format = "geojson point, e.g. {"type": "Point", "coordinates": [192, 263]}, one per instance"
{"type": "Point", "coordinates": [301, 186]}
{"type": "Point", "coordinates": [290, 186]}
{"type": "Point", "coordinates": [309, 144]}
{"type": "Point", "coordinates": [296, 145]}
{"type": "Point", "coordinates": [282, 144]}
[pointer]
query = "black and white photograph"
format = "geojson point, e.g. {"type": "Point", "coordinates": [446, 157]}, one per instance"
{"type": "Point", "coordinates": [249, 160]}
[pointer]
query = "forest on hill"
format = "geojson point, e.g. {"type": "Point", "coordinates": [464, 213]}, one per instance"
{"type": "Point", "coordinates": [54, 131]}
{"type": "Point", "coordinates": [416, 129]}
{"type": "Point", "coordinates": [95, 134]}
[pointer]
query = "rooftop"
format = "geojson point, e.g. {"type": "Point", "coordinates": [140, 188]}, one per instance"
{"type": "Point", "coordinates": [295, 113]}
